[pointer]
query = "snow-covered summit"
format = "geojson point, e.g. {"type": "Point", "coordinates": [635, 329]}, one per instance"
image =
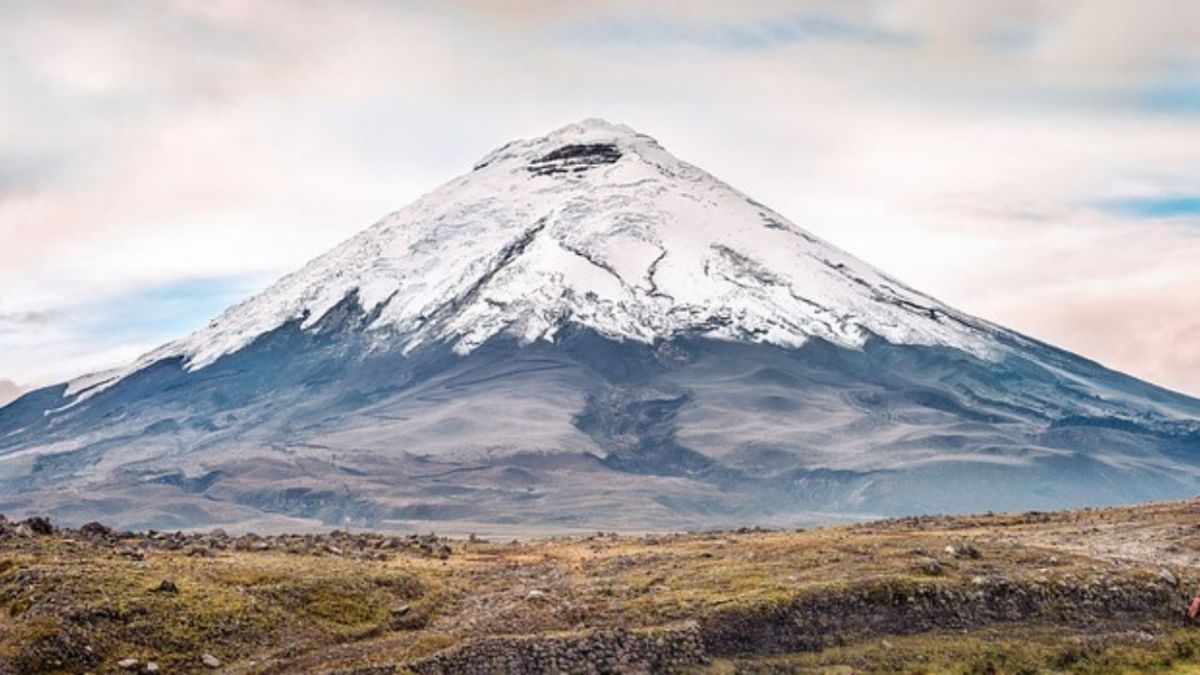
{"type": "Point", "coordinates": [597, 225]}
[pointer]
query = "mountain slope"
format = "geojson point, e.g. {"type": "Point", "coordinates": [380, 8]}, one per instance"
{"type": "Point", "coordinates": [584, 332]}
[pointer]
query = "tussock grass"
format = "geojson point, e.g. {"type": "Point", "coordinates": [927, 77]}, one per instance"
{"type": "Point", "coordinates": [68, 604]}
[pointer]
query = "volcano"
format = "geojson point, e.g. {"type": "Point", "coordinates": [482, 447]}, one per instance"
{"type": "Point", "coordinates": [584, 332]}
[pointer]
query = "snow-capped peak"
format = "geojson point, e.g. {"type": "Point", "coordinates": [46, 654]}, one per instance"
{"type": "Point", "coordinates": [593, 224]}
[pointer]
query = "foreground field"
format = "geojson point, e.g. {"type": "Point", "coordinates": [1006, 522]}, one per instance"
{"type": "Point", "coordinates": [1082, 591]}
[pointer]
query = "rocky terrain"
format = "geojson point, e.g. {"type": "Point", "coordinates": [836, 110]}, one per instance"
{"type": "Point", "coordinates": [1100, 590]}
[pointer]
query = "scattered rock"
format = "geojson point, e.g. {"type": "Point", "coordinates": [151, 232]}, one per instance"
{"type": "Point", "coordinates": [400, 611]}
{"type": "Point", "coordinates": [166, 586]}
{"type": "Point", "coordinates": [1168, 576]}
{"type": "Point", "coordinates": [39, 525]}
{"type": "Point", "coordinates": [127, 664]}
{"type": "Point", "coordinates": [95, 529]}
{"type": "Point", "coordinates": [931, 567]}
{"type": "Point", "coordinates": [616, 651]}
{"type": "Point", "coordinates": [967, 550]}
{"type": "Point", "coordinates": [210, 661]}
{"type": "Point", "coordinates": [151, 667]}
{"type": "Point", "coordinates": [132, 553]}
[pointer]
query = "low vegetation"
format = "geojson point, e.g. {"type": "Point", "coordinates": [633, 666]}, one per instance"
{"type": "Point", "coordinates": [1083, 591]}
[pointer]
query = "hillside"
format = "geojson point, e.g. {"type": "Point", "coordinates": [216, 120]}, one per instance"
{"type": "Point", "coordinates": [1103, 590]}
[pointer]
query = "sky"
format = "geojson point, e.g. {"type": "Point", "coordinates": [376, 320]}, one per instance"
{"type": "Point", "coordinates": [1032, 162]}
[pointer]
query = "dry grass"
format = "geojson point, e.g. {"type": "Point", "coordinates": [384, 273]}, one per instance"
{"type": "Point", "coordinates": [71, 606]}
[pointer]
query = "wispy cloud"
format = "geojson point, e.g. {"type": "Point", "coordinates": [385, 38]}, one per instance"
{"type": "Point", "coordinates": [736, 33]}
{"type": "Point", "coordinates": [22, 321]}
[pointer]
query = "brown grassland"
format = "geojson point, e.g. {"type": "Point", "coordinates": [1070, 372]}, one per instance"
{"type": "Point", "coordinates": [1092, 591]}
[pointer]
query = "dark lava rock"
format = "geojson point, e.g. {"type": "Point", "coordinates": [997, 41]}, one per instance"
{"type": "Point", "coordinates": [95, 529]}
{"type": "Point", "coordinates": [39, 525]}
{"type": "Point", "coordinates": [574, 158]}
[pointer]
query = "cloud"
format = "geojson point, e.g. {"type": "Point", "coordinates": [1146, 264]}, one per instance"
{"type": "Point", "coordinates": [1008, 156]}
{"type": "Point", "coordinates": [9, 391]}
{"type": "Point", "coordinates": [21, 321]}
{"type": "Point", "coordinates": [725, 34]}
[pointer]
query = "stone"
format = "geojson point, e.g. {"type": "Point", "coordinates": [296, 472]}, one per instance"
{"type": "Point", "coordinates": [931, 567]}
{"type": "Point", "coordinates": [151, 667]}
{"type": "Point", "coordinates": [127, 664]}
{"type": "Point", "coordinates": [210, 661]}
{"type": "Point", "coordinates": [166, 586]}
{"type": "Point", "coordinates": [39, 525]}
{"type": "Point", "coordinates": [967, 550]}
{"type": "Point", "coordinates": [132, 553]}
{"type": "Point", "coordinates": [95, 529]}
{"type": "Point", "coordinates": [1168, 576]}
